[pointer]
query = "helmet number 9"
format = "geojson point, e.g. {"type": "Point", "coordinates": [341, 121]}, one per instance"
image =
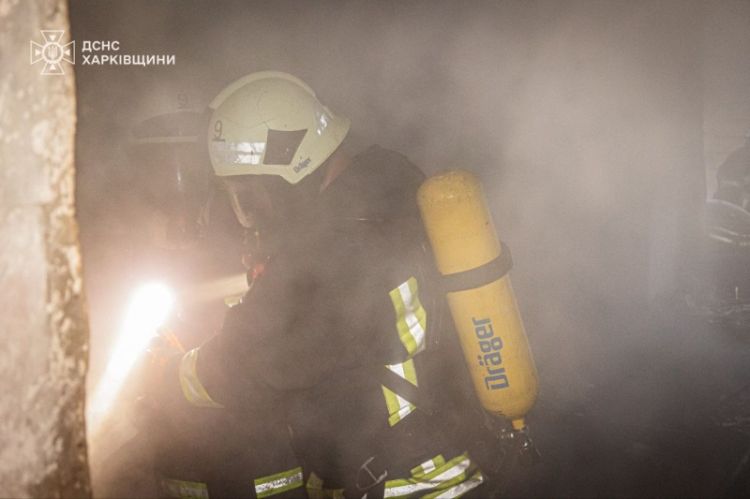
{"type": "Point", "coordinates": [218, 130]}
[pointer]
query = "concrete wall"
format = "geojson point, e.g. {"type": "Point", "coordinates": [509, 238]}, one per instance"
{"type": "Point", "coordinates": [43, 324]}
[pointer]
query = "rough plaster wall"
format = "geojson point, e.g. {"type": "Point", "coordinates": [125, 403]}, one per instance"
{"type": "Point", "coordinates": [727, 83]}
{"type": "Point", "coordinates": [43, 326]}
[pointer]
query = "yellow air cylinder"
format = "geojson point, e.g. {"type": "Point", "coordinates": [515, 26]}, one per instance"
{"type": "Point", "coordinates": [467, 252]}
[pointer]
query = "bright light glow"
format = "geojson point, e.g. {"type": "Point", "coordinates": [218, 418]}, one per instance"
{"type": "Point", "coordinates": [148, 310]}
{"type": "Point", "coordinates": [217, 289]}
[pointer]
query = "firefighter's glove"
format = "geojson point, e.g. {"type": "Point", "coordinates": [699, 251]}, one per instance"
{"type": "Point", "coordinates": [156, 376]}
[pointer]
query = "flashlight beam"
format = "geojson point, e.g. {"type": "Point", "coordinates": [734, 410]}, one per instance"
{"type": "Point", "coordinates": [149, 308]}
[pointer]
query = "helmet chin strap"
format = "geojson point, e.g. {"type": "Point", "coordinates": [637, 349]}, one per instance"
{"type": "Point", "coordinates": [254, 257]}
{"type": "Point", "coordinates": [243, 218]}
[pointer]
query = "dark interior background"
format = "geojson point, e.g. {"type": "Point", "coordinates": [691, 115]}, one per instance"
{"type": "Point", "coordinates": [584, 121]}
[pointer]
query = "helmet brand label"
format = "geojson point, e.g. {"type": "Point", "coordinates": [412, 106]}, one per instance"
{"type": "Point", "coordinates": [490, 358]}
{"type": "Point", "coordinates": [302, 165]}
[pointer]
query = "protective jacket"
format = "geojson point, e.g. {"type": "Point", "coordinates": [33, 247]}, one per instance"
{"type": "Point", "coordinates": [348, 295]}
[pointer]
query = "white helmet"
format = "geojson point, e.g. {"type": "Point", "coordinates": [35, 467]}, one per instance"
{"type": "Point", "coordinates": [271, 123]}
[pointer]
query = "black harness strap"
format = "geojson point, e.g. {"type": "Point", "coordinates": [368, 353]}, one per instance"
{"type": "Point", "coordinates": [480, 276]}
{"type": "Point", "coordinates": [460, 281]}
{"type": "Point", "coordinates": [406, 390]}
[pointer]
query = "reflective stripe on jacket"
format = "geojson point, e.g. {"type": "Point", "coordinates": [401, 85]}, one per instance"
{"type": "Point", "coordinates": [192, 388]}
{"type": "Point", "coordinates": [437, 478]}
{"type": "Point", "coordinates": [411, 326]}
{"type": "Point", "coordinates": [266, 486]}
{"type": "Point", "coordinates": [271, 485]}
{"type": "Point", "coordinates": [183, 489]}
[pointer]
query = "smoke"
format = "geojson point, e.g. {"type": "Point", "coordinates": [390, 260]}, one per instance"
{"type": "Point", "coordinates": [583, 119]}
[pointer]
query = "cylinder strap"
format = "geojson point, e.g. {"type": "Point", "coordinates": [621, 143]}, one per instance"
{"type": "Point", "coordinates": [480, 276]}
{"type": "Point", "coordinates": [407, 391]}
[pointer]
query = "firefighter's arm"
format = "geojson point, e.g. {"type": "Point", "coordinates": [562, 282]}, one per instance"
{"type": "Point", "coordinates": [236, 368]}
{"type": "Point", "coordinates": [278, 339]}
{"type": "Point", "coordinates": [160, 396]}
{"type": "Point", "coordinates": [301, 322]}
{"type": "Point", "coordinates": [201, 378]}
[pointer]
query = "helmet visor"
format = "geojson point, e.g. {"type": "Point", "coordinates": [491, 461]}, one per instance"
{"type": "Point", "coordinates": [281, 146]}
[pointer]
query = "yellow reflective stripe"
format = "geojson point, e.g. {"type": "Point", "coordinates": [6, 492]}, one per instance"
{"type": "Point", "coordinates": [411, 318]}
{"type": "Point", "coordinates": [439, 470]}
{"type": "Point", "coordinates": [399, 407]}
{"type": "Point", "coordinates": [411, 324]}
{"type": "Point", "coordinates": [192, 388]}
{"type": "Point", "coordinates": [233, 300]}
{"type": "Point", "coordinates": [315, 489]}
{"type": "Point", "coordinates": [428, 466]}
{"type": "Point", "coordinates": [280, 482]}
{"type": "Point", "coordinates": [406, 370]}
{"type": "Point", "coordinates": [451, 482]}
{"type": "Point", "coordinates": [451, 473]}
{"type": "Point", "coordinates": [183, 489]}
{"type": "Point", "coordinates": [462, 488]}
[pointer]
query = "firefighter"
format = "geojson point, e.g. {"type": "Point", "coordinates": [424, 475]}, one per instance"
{"type": "Point", "coordinates": [336, 335]}
{"type": "Point", "coordinates": [194, 450]}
